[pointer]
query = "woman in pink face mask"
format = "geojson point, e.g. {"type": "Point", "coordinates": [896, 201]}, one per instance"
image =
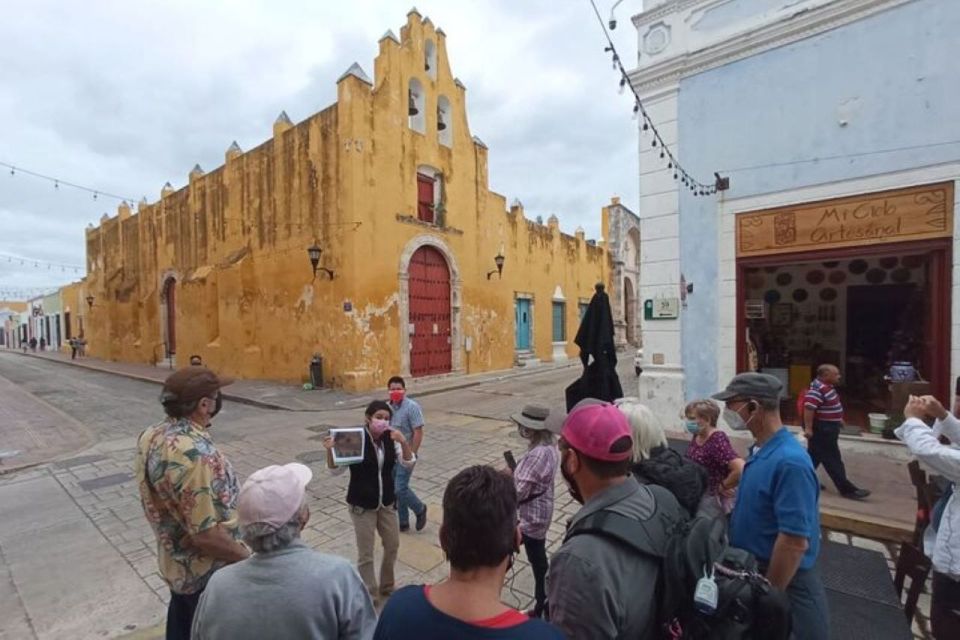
{"type": "Point", "coordinates": [372, 498]}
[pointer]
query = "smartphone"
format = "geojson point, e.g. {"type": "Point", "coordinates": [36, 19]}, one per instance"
{"type": "Point", "coordinates": [511, 463]}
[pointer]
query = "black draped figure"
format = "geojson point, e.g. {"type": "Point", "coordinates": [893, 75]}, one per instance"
{"type": "Point", "coordinates": [597, 353]}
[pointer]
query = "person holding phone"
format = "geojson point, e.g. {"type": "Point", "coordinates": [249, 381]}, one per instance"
{"type": "Point", "coordinates": [372, 497]}
{"type": "Point", "coordinates": [533, 477]}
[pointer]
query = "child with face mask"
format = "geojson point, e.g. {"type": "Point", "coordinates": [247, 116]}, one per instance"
{"type": "Point", "coordinates": [372, 497]}
{"type": "Point", "coordinates": [711, 448]}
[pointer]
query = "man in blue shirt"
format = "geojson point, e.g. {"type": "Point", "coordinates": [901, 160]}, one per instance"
{"type": "Point", "coordinates": [407, 418]}
{"type": "Point", "coordinates": [777, 515]}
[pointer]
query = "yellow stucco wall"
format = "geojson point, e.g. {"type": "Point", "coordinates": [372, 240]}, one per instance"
{"type": "Point", "coordinates": [235, 240]}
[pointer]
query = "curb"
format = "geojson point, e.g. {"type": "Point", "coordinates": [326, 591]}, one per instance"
{"type": "Point", "coordinates": [865, 526]}
{"type": "Point", "coordinates": [455, 385]}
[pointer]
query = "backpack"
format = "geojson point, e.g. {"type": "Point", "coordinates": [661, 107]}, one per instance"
{"type": "Point", "coordinates": [747, 607]}
{"type": "Point", "coordinates": [684, 478]}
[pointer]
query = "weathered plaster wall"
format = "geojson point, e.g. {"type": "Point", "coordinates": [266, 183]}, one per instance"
{"type": "Point", "coordinates": [235, 242]}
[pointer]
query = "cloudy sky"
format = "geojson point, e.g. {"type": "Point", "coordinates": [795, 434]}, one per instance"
{"type": "Point", "coordinates": [124, 96]}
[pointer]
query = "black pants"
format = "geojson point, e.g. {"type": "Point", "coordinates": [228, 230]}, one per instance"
{"type": "Point", "coordinates": [945, 607]}
{"type": "Point", "coordinates": [537, 556]}
{"type": "Point", "coordinates": [180, 614]}
{"type": "Point", "coordinates": [824, 447]}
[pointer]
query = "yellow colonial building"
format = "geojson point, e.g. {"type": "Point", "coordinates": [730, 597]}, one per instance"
{"type": "Point", "coordinates": [389, 189]}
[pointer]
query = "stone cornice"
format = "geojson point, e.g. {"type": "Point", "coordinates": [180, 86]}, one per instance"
{"type": "Point", "coordinates": [798, 27]}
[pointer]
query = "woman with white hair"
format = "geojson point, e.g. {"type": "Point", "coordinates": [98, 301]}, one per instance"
{"type": "Point", "coordinates": [654, 462]}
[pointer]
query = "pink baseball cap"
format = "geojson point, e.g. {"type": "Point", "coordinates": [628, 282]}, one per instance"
{"type": "Point", "coordinates": [593, 427]}
{"type": "Point", "coordinates": [273, 495]}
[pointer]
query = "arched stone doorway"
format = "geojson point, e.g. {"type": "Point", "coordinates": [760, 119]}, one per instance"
{"type": "Point", "coordinates": [630, 311]}
{"type": "Point", "coordinates": [430, 308]}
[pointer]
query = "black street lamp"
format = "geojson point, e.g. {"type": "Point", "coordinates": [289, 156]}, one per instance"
{"type": "Point", "coordinates": [499, 270]}
{"type": "Point", "coordinates": [315, 252]}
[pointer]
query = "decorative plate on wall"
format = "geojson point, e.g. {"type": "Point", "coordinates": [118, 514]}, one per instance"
{"type": "Point", "coordinates": [912, 262]}
{"type": "Point", "coordinates": [837, 277]}
{"type": "Point", "coordinates": [828, 295]}
{"type": "Point", "coordinates": [889, 262]}
{"type": "Point", "coordinates": [815, 277]}
{"type": "Point", "coordinates": [858, 266]}
{"type": "Point", "coordinates": [755, 281]}
{"type": "Point", "coordinates": [783, 279]}
{"type": "Point", "coordinates": [772, 296]}
{"type": "Point", "coordinates": [799, 295]}
{"type": "Point", "coordinates": [876, 276]}
{"type": "Point", "coordinates": [900, 275]}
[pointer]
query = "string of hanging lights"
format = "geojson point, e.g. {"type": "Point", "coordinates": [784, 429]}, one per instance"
{"type": "Point", "coordinates": [24, 293]}
{"type": "Point", "coordinates": [696, 187]}
{"type": "Point", "coordinates": [59, 182]}
{"type": "Point", "coordinates": [11, 259]}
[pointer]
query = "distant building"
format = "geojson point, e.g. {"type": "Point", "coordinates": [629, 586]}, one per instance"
{"type": "Point", "coordinates": [838, 125]}
{"type": "Point", "coordinates": [390, 185]}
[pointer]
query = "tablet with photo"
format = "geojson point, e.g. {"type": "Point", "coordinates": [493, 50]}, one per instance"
{"type": "Point", "coordinates": [348, 445]}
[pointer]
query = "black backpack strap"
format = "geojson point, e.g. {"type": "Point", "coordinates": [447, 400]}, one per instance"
{"type": "Point", "coordinates": [648, 536]}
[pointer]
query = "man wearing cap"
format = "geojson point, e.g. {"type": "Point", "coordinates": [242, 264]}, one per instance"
{"type": "Point", "coordinates": [598, 587]}
{"type": "Point", "coordinates": [777, 517]}
{"type": "Point", "coordinates": [189, 492]}
{"type": "Point", "coordinates": [534, 479]}
{"type": "Point", "coordinates": [285, 590]}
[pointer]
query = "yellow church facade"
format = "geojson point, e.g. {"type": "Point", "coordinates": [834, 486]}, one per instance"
{"type": "Point", "coordinates": [388, 189]}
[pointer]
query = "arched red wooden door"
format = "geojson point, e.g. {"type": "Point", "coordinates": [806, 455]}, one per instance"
{"type": "Point", "coordinates": [430, 349]}
{"type": "Point", "coordinates": [170, 298]}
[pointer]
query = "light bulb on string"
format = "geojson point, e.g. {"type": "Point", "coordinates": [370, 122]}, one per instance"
{"type": "Point", "coordinates": [616, 59]}
{"type": "Point", "coordinates": [653, 143]}
{"type": "Point", "coordinates": [56, 184]}
{"type": "Point", "coordinates": [94, 195]}
{"type": "Point", "coordinates": [661, 153]}
{"type": "Point", "coordinates": [645, 125]}
{"type": "Point", "coordinates": [623, 83]}
{"type": "Point", "coordinates": [636, 110]}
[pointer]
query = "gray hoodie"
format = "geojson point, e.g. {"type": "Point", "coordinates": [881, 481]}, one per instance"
{"type": "Point", "coordinates": [598, 588]}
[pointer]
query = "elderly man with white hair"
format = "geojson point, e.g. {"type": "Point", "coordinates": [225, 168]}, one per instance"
{"type": "Point", "coordinates": [286, 589]}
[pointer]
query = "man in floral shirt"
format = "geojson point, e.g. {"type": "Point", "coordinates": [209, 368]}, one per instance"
{"type": "Point", "coordinates": [189, 492]}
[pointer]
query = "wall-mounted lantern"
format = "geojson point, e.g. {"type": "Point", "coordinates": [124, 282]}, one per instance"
{"type": "Point", "coordinates": [90, 302]}
{"type": "Point", "coordinates": [499, 270]}
{"type": "Point", "coordinates": [315, 252]}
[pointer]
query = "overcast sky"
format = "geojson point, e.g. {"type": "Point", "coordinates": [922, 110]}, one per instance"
{"type": "Point", "coordinates": [124, 96]}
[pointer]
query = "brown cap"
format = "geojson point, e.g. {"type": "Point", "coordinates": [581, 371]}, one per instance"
{"type": "Point", "coordinates": [192, 383]}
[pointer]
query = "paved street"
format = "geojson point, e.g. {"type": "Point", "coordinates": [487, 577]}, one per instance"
{"type": "Point", "coordinates": [78, 559]}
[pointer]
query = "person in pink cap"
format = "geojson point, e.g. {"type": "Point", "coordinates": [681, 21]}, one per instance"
{"type": "Point", "coordinates": [285, 590]}
{"type": "Point", "coordinates": [598, 587]}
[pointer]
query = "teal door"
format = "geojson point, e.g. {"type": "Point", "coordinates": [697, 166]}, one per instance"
{"type": "Point", "coordinates": [523, 324]}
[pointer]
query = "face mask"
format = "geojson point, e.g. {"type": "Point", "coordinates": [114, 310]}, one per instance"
{"type": "Point", "coordinates": [377, 427]}
{"type": "Point", "coordinates": [734, 420]}
{"type": "Point", "coordinates": [396, 396]}
{"type": "Point", "coordinates": [693, 426]}
{"type": "Point", "coordinates": [571, 484]}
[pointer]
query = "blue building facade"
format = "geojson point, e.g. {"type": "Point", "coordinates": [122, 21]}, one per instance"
{"type": "Point", "coordinates": [808, 107]}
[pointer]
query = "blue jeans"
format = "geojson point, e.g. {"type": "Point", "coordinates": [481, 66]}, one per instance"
{"type": "Point", "coordinates": [808, 606]}
{"type": "Point", "coordinates": [407, 500]}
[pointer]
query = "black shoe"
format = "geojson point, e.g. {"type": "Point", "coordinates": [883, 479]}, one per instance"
{"type": "Point", "coordinates": [404, 527]}
{"type": "Point", "coordinates": [422, 519]}
{"type": "Point", "coordinates": [857, 494]}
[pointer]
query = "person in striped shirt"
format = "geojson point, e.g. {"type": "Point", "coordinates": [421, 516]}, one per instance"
{"type": "Point", "coordinates": [822, 421]}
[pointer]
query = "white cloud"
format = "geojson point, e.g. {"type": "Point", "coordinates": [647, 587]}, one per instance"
{"type": "Point", "coordinates": [125, 96]}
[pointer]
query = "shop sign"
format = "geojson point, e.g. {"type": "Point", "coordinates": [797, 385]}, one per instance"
{"type": "Point", "coordinates": [915, 213]}
{"type": "Point", "coordinates": [661, 309]}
